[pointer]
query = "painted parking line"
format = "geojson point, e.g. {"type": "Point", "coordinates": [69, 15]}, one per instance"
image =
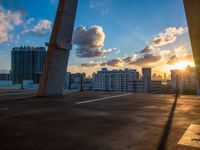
{"type": "Point", "coordinates": [104, 98]}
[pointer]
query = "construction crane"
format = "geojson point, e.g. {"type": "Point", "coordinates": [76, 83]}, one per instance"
{"type": "Point", "coordinates": [59, 46]}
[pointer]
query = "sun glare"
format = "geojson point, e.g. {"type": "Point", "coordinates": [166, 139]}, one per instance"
{"type": "Point", "coordinates": [182, 65]}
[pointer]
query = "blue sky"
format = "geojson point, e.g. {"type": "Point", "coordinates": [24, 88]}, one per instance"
{"type": "Point", "coordinates": [128, 25]}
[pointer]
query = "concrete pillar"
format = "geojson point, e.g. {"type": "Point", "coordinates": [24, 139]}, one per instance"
{"type": "Point", "coordinates": [192, 9]}
{"type": "Point", "coordinates": [59, 46]}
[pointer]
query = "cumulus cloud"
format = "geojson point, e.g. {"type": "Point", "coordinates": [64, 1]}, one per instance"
{"type": "Point", "coordinates": [147, 49]}
{"type": "Point", "coordinates": [174, 59]}
{"type": "Point", "coordinates": [91, 64]}
{"type": "Point", "coordinates": [88, 53]}
{"type": "Point", "coordinates": [151, 54]}
{"type": "Point", "coordinates": [117, 51]}
{"type": "Point", "coordinates": [41, 28]}
{"type": "Point", "coordinates": [113, 62]}
{"type": "Point", "coordinates": [146, 59]}
{"type": "Point", "coordinates": [168, 36]}
{"type": "Point", "coordinates": [28, 22]}
{"type": "Point", "coordinates": [117, 62]}
{"type": "Point", "coordinates": [128, 59]}
{"type": "Point", "coordinates": [90, 41]}
{"type": "Point", "coordinates": [8, 21]}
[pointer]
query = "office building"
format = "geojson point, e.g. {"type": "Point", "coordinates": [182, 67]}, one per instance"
{"type": "Point", "coordinates": [187, 81]}
{"type": "Point", "coordinates": [27, 63]}
{"type": "Point", "coordinates": [73, 81]}
{"type": "Point", "coordinates": [116, 80]}
{"type": "Point", "coordinates": [126, 80]}
{"type": "Point", "coordinates": [5, 76]}
{"type": "Point", "coordinates": [156, 86]}
{"type": "Point", "coordinates": [146, 78]}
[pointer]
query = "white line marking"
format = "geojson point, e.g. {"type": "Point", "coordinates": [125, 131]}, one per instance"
{"type": "Point", "coordinates": [9, 94]}
{"type": "Point", "coordinates": [99, 99]}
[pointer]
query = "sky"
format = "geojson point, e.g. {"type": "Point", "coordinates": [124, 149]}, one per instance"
{"type": "Point", "coordinates": [115, 34]}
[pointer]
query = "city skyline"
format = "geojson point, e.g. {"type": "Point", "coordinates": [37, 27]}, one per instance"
{"type": "Point", "coordinates": [116, 37]}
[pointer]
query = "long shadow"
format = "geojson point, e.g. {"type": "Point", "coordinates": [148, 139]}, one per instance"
{"type": "Point", "coordinates": [167, 128]}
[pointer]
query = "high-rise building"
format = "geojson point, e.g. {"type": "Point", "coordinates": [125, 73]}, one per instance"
{"type": "Point", "coordinates": [165, 76]}
{"type": "Point", "coordinates": [67, 80]}
{"type": "Point", "coordinates": [116, 80]}
{"type": "Point", "coordinates": [5, 76]}
{"type": "Point", "coordinates": [187, 81]}
{"type": "Point", "coordinates": [156, 86]}
{"type": "Point", "coordinates": [146, 72]}
{"type": "Point", "coordinates": [73, 80]}
{"type": "Point", "coordinates": [126, 80]}
{"type": "Point", "coordinates": [27, 63]}
{"type": "Point", "coordinates": [154, 76]}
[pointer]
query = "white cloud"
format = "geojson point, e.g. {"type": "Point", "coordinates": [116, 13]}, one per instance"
{"type": "Point", "coordinates": [100, 5]}
{"type": "Point", "coordinates": [41, 28]}
{"type": "Point", "coordinates": [146, 59]}
{"type": "Point", "coordinates": [117, 62]}
{"type": "Point", "coordinates": [168, 36]}
{"type": "Point", "coordinates": [152, 55]}
{"type": "Point", "coordinates": [90, 41]}
{"type": "Point", "coordinates": [8, 21]}
{"type": "Point", "coordinates": [147, 49]}
{"type": "Point", "coordinates": [90, 64]}
{"type": "Point", "coordinates": [28, 22]}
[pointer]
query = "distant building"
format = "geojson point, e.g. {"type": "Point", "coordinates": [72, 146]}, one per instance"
{"type": "Point", "coordinates": [5, 76]}
{"type": "Point", "coordinates": [138, 86]}
{"type": "Point", "coordinates": [146, 72]}
{"type": "Point", "coordinates": [88, 84]}
{"type": "Point", "coordinates": [101, 80]}
{"type": "Point", "coordinates": [67, 80]}
{"type": "Point", "coordinates": [165, 76]}
{"type": "Point", "coordinates": [187, 81]}
{"type": "Point", "coordinates": [73, 80]}
{"type": "Point", "coordinates": [116, 80]}
{"type": "Point", "coordinates": [156, 86]}
{"type": "Point", "coordinates": [27, 63]}
{"type": "Point", "coordinates": [126, 80]}
{"type": "Point", "coordinates": [151, 85]}
{"type": "Point", "coordinates": [154, 76]}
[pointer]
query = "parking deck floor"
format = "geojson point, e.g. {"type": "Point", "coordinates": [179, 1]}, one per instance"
{"type": "Point", "coordinates": [96, 121]}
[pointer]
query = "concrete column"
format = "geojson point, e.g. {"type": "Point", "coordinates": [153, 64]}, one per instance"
{"type": "Point", "coordinates": [192, 9]}
{"type": "Point", "coordinates": [59, 46]}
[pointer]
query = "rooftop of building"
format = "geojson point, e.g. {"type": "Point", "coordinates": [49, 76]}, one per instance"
{"type": "Point", "coordinates": [126, 70]}
{"type": "Point", "coordinates": [98, 120]}
{"type": "Point", "coordinates": [26, 48]}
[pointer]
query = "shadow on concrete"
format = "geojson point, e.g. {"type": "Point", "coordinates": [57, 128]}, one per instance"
{"type": "Point", "coordinates": [167, 128]}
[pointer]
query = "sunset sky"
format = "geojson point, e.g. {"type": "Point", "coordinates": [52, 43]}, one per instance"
{"type": "Point", "coordinates": [108, 33]}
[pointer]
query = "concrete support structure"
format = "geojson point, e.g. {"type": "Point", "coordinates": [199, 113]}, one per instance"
{"type": "Point", "coordinates": [192, 9]}
{"type": "Point", "coordinates": [52, 79]}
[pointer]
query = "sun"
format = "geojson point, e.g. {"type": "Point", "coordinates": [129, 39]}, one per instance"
{"type": "Point", "coordinates": [182, 65]}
